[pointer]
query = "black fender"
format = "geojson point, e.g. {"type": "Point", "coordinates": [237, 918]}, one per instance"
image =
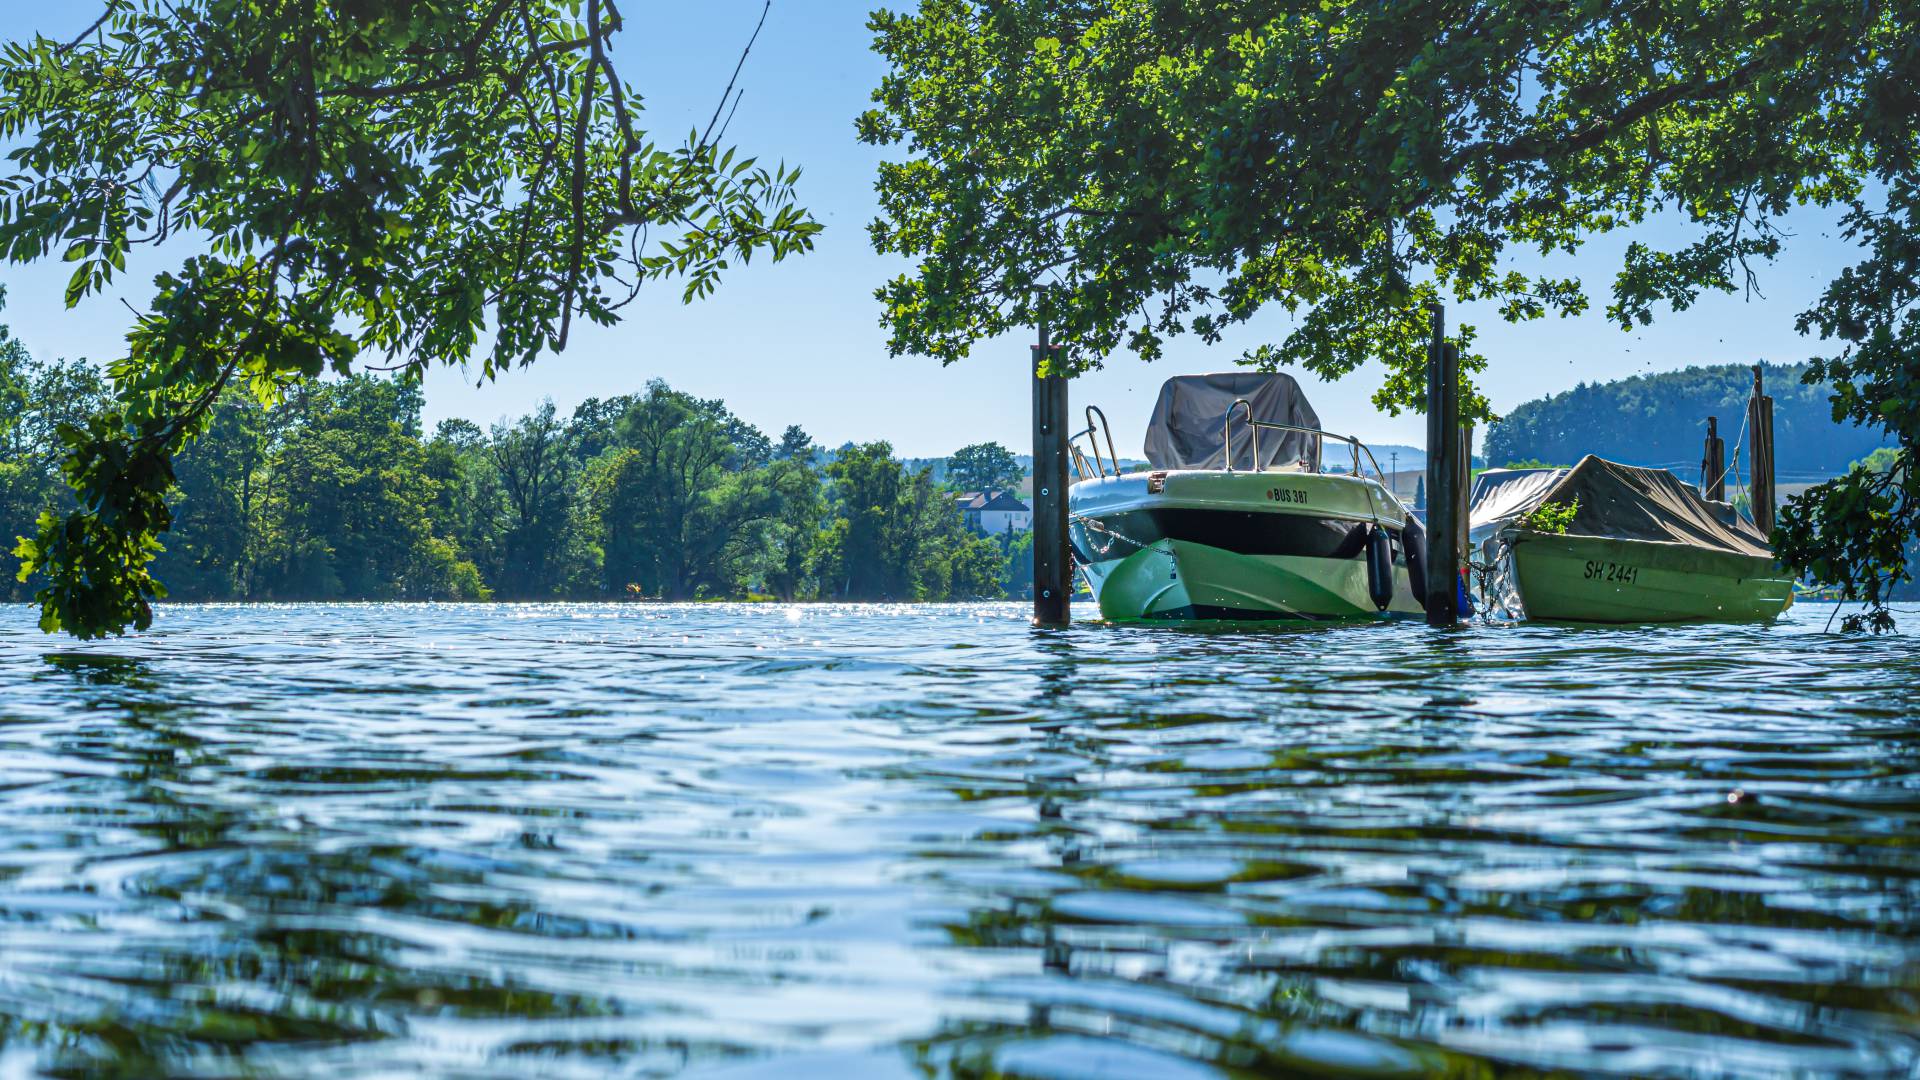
{"type": "Point", "coordinates": [1380, 566]}
{"type": "Point", "coordinates": [1414, 539]}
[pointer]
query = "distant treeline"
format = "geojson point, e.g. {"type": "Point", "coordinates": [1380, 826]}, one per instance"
{"type": "Point", "coordinates": [337, 493]}
{"type": "Point", "coordinates": [1660, 420]}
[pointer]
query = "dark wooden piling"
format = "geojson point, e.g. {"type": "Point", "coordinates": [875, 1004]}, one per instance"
{"type": "Point", "coordinates": [1760, 457]}
{"type": "Point", "coordinates": [1445, 477]}
{"type": "Point", "coordinates": [1052, 562]}
{"type": "Point", "coordinates": [1713, 464]}
{"type": "Point", "coordinates": [1463, 470]}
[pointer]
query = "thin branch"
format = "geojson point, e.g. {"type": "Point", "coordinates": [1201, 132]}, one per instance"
{"type": "Point", "coordinates": [630, 142]}
{"type": "Point", "coordinates": [1531, 146]}
{"type": "Point", "coordinates": [88, 32]}
{"type": "Point", "coordinates": [577, 196]}
{"type": "Point", "coordinates": [728, 92]}
{"type": "Point", "coordinates": [742, 92]}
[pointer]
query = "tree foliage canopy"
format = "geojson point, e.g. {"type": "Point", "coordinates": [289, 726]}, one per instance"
{"type": "Point", "coordinates": [36, 397]}
{"type": "Point", "coordinates": [1127, 170]}
{"type": "Point", "coordinates": [983, 467]}
{"type": "Point", "coordinates": [410, 180]}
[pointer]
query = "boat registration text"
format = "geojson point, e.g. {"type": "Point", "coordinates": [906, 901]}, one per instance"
{"type": "Point", "coordinates": [1612, 571]}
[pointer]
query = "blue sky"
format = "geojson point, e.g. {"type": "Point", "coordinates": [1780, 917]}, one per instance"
{"type": "Point", "coordinates": [800, 342]}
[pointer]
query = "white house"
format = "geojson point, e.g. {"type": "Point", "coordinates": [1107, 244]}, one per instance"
{"type": "Point", "coordinates": [995, 512]}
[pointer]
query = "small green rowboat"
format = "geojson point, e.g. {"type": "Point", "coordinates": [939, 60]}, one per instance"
{"type": "Point", "coordinates": [1604, 580]}
{"type": "Point", "coordinates": [1641, 547]}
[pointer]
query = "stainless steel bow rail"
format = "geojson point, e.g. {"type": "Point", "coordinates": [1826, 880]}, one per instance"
{"type": "Point", "coordinates": [1097, 428]}
{"type": "Point", "coordinates": [1096, 469]}
{"type": "Point", "coordinates": [1226, 439]}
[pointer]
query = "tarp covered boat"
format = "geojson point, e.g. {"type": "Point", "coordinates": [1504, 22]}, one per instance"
{"type": "Point", "coordinates": [1641, 547]}
{"type": "Point", "coordinates": [1501, 495]}
{"type": "Point", "coordinates": [1235, 521]}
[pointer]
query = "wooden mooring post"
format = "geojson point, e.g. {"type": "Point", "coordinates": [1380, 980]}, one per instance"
{"type": "Point", "coordinates": [1760, 458]}
{"type": "Point", "coordinates": [1713, 464]}
{"type": "Point", "coordinates": [1446, 477]}
{"type": "Point", "coordinates": [1463, 471]}
{"type": "Point", "coordinates": [1052, 561]}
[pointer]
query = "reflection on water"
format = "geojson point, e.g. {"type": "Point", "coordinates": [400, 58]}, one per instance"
{"type": "Point", "coordinates": [774, 841]}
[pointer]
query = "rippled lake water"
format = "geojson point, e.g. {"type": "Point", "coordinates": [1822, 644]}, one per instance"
{"type": "Point", "coordinates": [798, 841]}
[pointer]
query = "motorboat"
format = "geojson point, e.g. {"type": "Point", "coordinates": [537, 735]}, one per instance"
{"type": "Point", "coordinates": [1617, 544]}
{"type": "Point", "coordinates": [1234, 518]}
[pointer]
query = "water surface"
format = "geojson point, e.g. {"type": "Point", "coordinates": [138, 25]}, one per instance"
{"type": "Point", "coordinates": [796, 841]}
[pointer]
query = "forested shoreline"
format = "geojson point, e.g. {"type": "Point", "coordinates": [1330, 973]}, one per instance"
{"type": "Point", "coordinates": [338, 493]}
{"type": "Point", "coordinates": [1659, 420]}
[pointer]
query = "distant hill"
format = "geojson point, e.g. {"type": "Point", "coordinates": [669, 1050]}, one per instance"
{"type": "Point", "coordinates": [1393, 457]}
{"type": "Point", "coordinates": [1660, 421]}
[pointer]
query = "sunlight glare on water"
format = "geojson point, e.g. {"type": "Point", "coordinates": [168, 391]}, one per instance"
{"type": "Point", "coordinates": [781, 841]}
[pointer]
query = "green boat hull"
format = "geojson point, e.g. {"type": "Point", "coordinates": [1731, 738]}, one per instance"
{"type": "Point", "coordinates": [1237, 547]}
{"type": "Point", "coordinates": [1175, 580]}
{"type": "Point", "coordinates": [1591, 579]}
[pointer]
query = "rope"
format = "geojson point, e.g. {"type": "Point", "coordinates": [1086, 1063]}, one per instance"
{"type": "Point", "coordinates": [1748, 486]}
{"type": "Point", "coordinates": [1733, 469]}
{"type": "Point", "coordinates": [1501, 554]}
{"type": "Point", "coordinates": [1733, 459]}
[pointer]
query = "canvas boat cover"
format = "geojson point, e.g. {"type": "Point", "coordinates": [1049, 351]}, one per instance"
{"type": "Point", "coordinates": [1186, 429]}
{"type": "Point", "coordinates": [1500, 495]}
{"type": "Point", "coordinates": [1628, 503]}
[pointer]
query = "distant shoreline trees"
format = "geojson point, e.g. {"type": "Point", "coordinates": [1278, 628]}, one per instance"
{"type": "Point", "coordinates": [651, 496]}
{"type": "Point", "coordinates": [338, 494]}
{"type": "Point", "coordinates": [1659, 420]}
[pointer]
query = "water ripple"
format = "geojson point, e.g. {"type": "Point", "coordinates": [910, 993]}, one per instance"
{"type": "Point", "coordinates": [761, 841]}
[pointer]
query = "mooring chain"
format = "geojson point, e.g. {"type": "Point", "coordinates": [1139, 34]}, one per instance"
{"type": "Point", "coordinates": [1094, 525]}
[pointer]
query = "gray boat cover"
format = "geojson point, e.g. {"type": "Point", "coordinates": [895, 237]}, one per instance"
{"type": "Point", "coordinates": [1629, 503]}
{"type": "Point", "coordinates": [1500, 495]}
{"type": "Point", "coordinates": [1186, 429]}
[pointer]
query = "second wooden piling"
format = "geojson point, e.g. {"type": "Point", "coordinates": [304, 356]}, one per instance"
{"type": "Point", "coordinates": [1713, 464]}
{"type": "Point", "coordinates": [1445, 492]}
{"type": "Point", "coordinates": [1760, 457]}
{"type": "Point", "coordinates": [1052, 561]}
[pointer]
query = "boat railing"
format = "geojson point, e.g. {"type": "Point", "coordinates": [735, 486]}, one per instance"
{"type": "Point", "coordinates": [1097, 468]}
{"type": "Point", "coordinates": [1226, 439]}
{"type": "Point", "coordinates": [1097, 428]}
